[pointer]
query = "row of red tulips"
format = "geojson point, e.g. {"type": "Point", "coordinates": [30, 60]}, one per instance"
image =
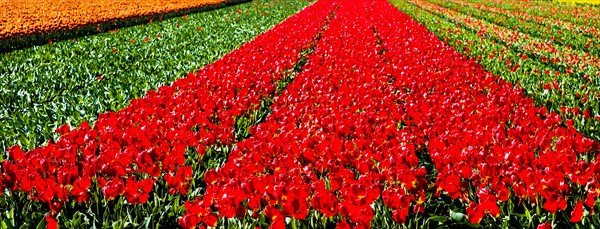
{"type": "Point", "coordinates": [489, 143]}
{"type": "Point", "coordinates": [357, 126]}
{"type": "Point", "coordinates": [126, 153]}
{"type": "Point", "coordinates": [320, 149]}
{"type": "Point", "coordinates": [560, 77]}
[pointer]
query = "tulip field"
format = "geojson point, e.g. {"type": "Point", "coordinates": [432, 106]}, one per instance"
{"type": "Point", "coordinates": [43, 16]}
{"type": "Point", "coordinates": [304, 114]}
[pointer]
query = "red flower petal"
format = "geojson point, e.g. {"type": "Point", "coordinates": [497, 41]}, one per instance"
{"type": "Point", "coordinates": [577, 213]}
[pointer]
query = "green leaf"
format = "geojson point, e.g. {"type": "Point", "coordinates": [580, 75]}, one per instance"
{"type": "Point", "coordinates": [42, 224]}
{"type": "Point", "coordinates": [457, 216]}
{"type": "Point", "coordinates": [11, 217]}
{"type": "Point", "coordinates": [528, 215]}
{"type": "Point", "coordinates": [438, 218]}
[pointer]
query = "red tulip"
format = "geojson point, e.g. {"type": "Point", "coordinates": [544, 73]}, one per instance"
{"type": "Point", "coordinates": [544, 226]}
{"type": "Point", "coordinates": [62, 130]}
{"type": "Point", "coordinates": [577, 213]}
{"type": "Point", "coordinates": [51, 222]}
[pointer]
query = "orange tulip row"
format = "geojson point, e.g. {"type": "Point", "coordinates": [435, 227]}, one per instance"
{"type": "Point", "coordinates": [25, 17]}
